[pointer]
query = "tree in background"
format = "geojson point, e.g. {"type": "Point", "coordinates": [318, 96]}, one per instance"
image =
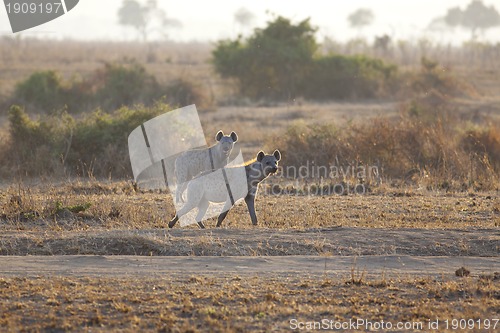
{"type": "Point", "coordinates": [282, 62]}
{"type": "Point", "coordinates": [271, 63]}
{"type": "Point", "coordinates": [145, 18]}
{"type": "Point", "coordinates": [244, 18]}
{"type": "Point", "coordinates": [361, 18]}
{"type": "Point", "coordinates": [477, 16]}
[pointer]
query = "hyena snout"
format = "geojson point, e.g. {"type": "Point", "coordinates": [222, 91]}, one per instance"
{"type": "Point", "coordinates": [272, 167]}
{"type": "Point", "coordinates": [271, 170]}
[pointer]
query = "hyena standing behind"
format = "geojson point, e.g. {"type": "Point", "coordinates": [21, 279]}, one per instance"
{"type": "Point", "coordinates": [213, 188]}
{"type": "Point", "coordinates": [193, 162]}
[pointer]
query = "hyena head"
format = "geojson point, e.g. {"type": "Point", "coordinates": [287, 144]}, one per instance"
{"type": "Point", "coordinates": [226, 142]}
{"type": "Point", "coordinates": [269, 163]}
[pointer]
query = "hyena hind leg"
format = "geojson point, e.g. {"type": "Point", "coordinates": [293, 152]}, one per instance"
{"type": "Point", "coordinates": [202, 210]}
{"type": "Point", "coordinates": [193, 201]}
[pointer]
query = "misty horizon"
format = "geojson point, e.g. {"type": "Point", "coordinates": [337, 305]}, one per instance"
{"type": "Point", "coordinates": [90, 21]}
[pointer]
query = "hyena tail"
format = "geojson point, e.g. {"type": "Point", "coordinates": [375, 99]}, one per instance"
{"type": "Point", "coordinates": [179, 191]}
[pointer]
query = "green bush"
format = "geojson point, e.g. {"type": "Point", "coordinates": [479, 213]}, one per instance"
{"type": "Point", "coordinates": [120, 85]}
{"type": "Point", "coordinates": [272, 63]}
{"type": "Point", "coordinates": [182, 92]}
{"type": "Point", "coordinates": [100, 147]}
{"type": "Point", "coordinates": [44, 90]}
{"type": "Point", "coordinates": [342, 77]}
{"type": "Point", "coordinates": [227, 58]}
{"type": "Point", "coordinates": [279, 63]}
{"type": "Point", "coordinates": [36, 145]}
{"type": "Point", "coordinates": [109, 88]}
{"type": "Point", "coordinates": [59, 144]}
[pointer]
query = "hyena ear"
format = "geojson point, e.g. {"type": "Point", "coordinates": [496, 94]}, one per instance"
{"type": "Point", "coordinates": [234, 136]}
{"type": "Point", "coordinates": [219, 135]}
{"type": "Point", "coordinates": [260, 156]}
{"type": "Point", "coordinates": [277, 155]}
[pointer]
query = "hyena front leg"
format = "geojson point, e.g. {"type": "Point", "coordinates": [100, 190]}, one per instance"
{"type": "Point", "coordinates": [250, 201]}
{"type": "Point", "coordinates": [224, 212]}
{"type": "Point", "coordinates": [173, 221]}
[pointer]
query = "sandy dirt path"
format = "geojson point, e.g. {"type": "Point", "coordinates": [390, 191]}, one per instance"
{"type": "Point", "coordinates": [147, 266]}
{"type": "Point", "coordinates": [251, 252]}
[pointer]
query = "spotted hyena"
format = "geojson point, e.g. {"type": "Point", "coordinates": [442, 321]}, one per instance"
{"type": "Point", "coordinates": [193, 162]}
{"type": "Point", "coordinates": [212, 187]}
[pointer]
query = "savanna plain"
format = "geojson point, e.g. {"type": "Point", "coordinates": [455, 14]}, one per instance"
{"type": "Point", "coordinates": [88, 249]}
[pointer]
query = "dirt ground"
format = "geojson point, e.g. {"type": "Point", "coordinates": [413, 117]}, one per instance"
{"type": "Point", "coordinates": [340, 241]}
{"type": "Point", "coordinates": [261, 279]}
{"type": "Point", "coordinates": [337, 267]}
{"type": "Point", "coordinates": [392, 254]}
{"type": "Point", "coordinates": [242, 294]}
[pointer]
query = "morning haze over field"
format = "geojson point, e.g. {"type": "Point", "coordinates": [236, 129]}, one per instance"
{"type": "Point", "coordinates": [370, 199]}
{"type": "Point", "coordinates": [212, 20]}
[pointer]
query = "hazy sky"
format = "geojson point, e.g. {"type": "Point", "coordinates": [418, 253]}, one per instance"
{"type": "Point", "coordinates": [212, 20]}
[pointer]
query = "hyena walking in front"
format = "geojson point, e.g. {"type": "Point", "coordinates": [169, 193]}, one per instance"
{"type": "Point", "coordinates": [193, 162]}
{"type": "Point", "coordinates": [213, 187]}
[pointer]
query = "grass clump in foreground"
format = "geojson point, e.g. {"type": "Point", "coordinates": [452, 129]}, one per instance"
{"type": "Point", "coordinates": [208, 303]}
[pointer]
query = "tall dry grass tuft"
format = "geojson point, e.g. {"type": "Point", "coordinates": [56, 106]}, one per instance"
{"type": "Point", "coordinates": [425, 145]}
{"type": "Point", "coordinates": [483, 147]}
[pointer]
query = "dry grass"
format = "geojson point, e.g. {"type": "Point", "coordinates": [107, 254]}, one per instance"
{"type": "Point", "coordinates": [208, 303]}
{"type": "Point", "coordinates": [119, 205]}
{"type": "Point", "coordinates": [440, 154]}
{"type": "Point", "coordinates": [430, 144]}
{"type": "Point", "coordinates": [48, 220]}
